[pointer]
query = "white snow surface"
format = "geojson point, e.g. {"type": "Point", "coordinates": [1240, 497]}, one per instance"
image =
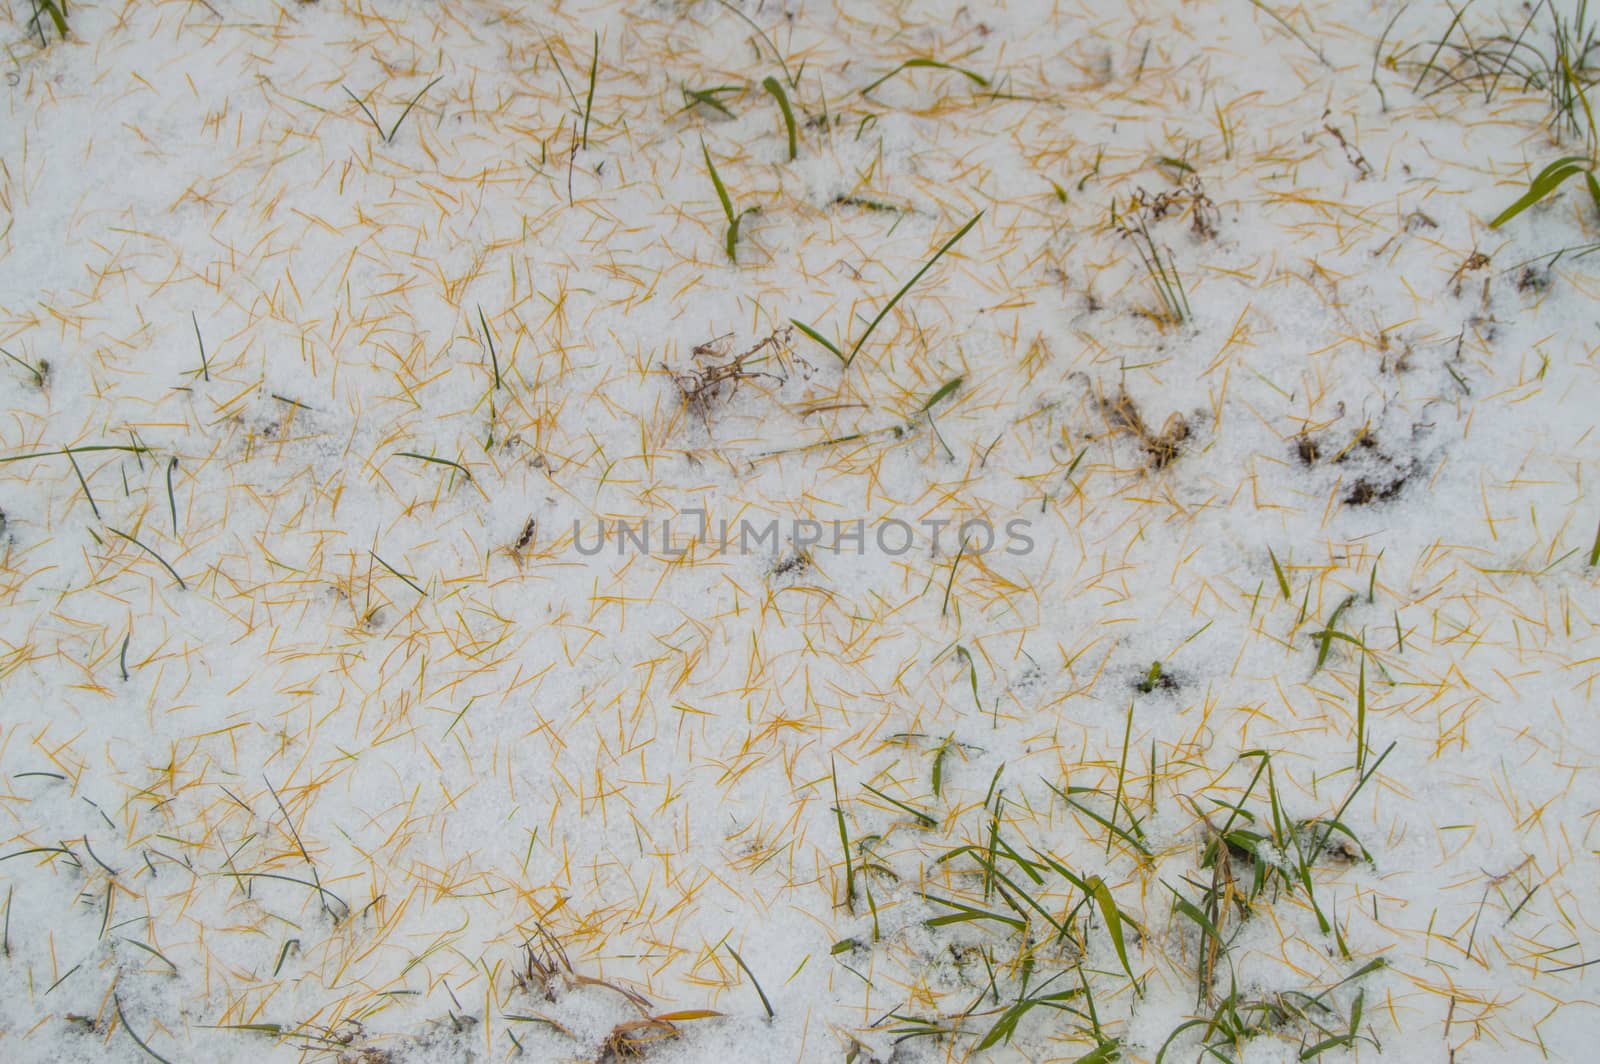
{"type": "Point", "coordinates": [304, 758]}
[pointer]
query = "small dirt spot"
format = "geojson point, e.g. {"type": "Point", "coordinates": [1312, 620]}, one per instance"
{"type": "Point", "coordinates": [1156, 679]}
{"type": "Point", "coordinates": [791, 566]}
{"type": "Point", "coordinates": [1533, 279]}
{"type": "Point", "coordinates": [1368, 492]}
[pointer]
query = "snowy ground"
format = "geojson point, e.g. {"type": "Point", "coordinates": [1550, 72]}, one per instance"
{"type": "Point", "coordinates": [323, 738]}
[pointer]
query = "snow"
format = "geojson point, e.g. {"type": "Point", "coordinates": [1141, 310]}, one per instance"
{"type": "Point", "coordinates": [360, 767]}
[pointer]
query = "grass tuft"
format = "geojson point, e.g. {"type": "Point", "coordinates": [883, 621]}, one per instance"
{"type": "Point", "coordinates": [1557, 63]}
{"type": "Point", "coordinates": [1163, 274]}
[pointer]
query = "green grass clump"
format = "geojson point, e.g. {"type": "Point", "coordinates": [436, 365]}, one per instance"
{"type": "Point", "coordinates": [1557, 64]}
{"type": "Point", "coordinates": [1163, 274]}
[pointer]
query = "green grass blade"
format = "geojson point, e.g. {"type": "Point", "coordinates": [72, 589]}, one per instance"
{"type": "Point", "coordinates": [922, 819]}
{"type": "Point", "coordinates": [761, 993]}
{"type": "Point", "coordinates": [126, 1026]}
{"type": "Point", "coordinates": [1104, 1053]}
{"type": "Point", "coordinates": [152, 554]}
{"type": "Point", "coordinates": [1327, 635]}
{"type": "Point", "coordinates": [1113, 917]}
{"type": "Point", "coordinates": [322, 892]}
{"type": "Point", "coordinates": [1548, 180]}
{"type": "Point", "coordinates": [1283, 581]}
{"type": "Point", "coordinates": [364, 109]}
{"type": "Point", "coordinates": [887, 307]}
{"type": "Point", "coordinates": [172, 500]}
{"type": "Point", "coordinates": [794, 79]}
{"type": "Point", "coordinates": [1006, 1025]}
{"type": "Point", "coordinates": [38, 377]}
{"type": "Point", "coordinates": [57, 15]}
{"type": "Point", "coordinates": [809, 331]}
{"type": "Point", "coordinates": [708, 97]}
{"type": "Point", "coordinates": [972, 677]}
{"type": "Point", "coordinates": [938, 766]}
{"type": "Point", "coordinates": [965, 913]}
{"type": "Point", "coordinates": [1201, 920]}
{"type": "Point", "coordinates": [844, 842]}
{"type": "Point", "coordinates": [205, 365]}
{"type": "Point", "coordinates": [944, 389]}
{"type": "Point", "coordinates": [1187, 1025]}
{"type": "Point", "coordinates": [162, 957]}
{"type": "Point", "coordinates": [1132, 835]}
{"type": "Point", "coordinates": [396, 127]}
{"type": "Point", "coordinates": [775, 87]}
{"type": "Point", "coordinates": [924, 63]}
{"type": "Point", "coordinates": [463, 470]}
{"type": "Point", "coordinates": [731, 238]}
{"type": "Point", "coordinates": [1291, 31]}
{"type": "Point", "coordinates": [1361, 717]}
{"type": "Point", "coordinates": [412, 584]}
{"type": "Point", "coordinates": [84, 449]}
{"type": "Point", "coordinates": [488, 338]}
{"type": "Point", "coordinates": [84, 484]}
{"type": "Point", "coordinates": [716, 179]}
{"type": "Point", "coordinates": [1438, 46]}
{"type": "Point", "coordinates": [588, 103]}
